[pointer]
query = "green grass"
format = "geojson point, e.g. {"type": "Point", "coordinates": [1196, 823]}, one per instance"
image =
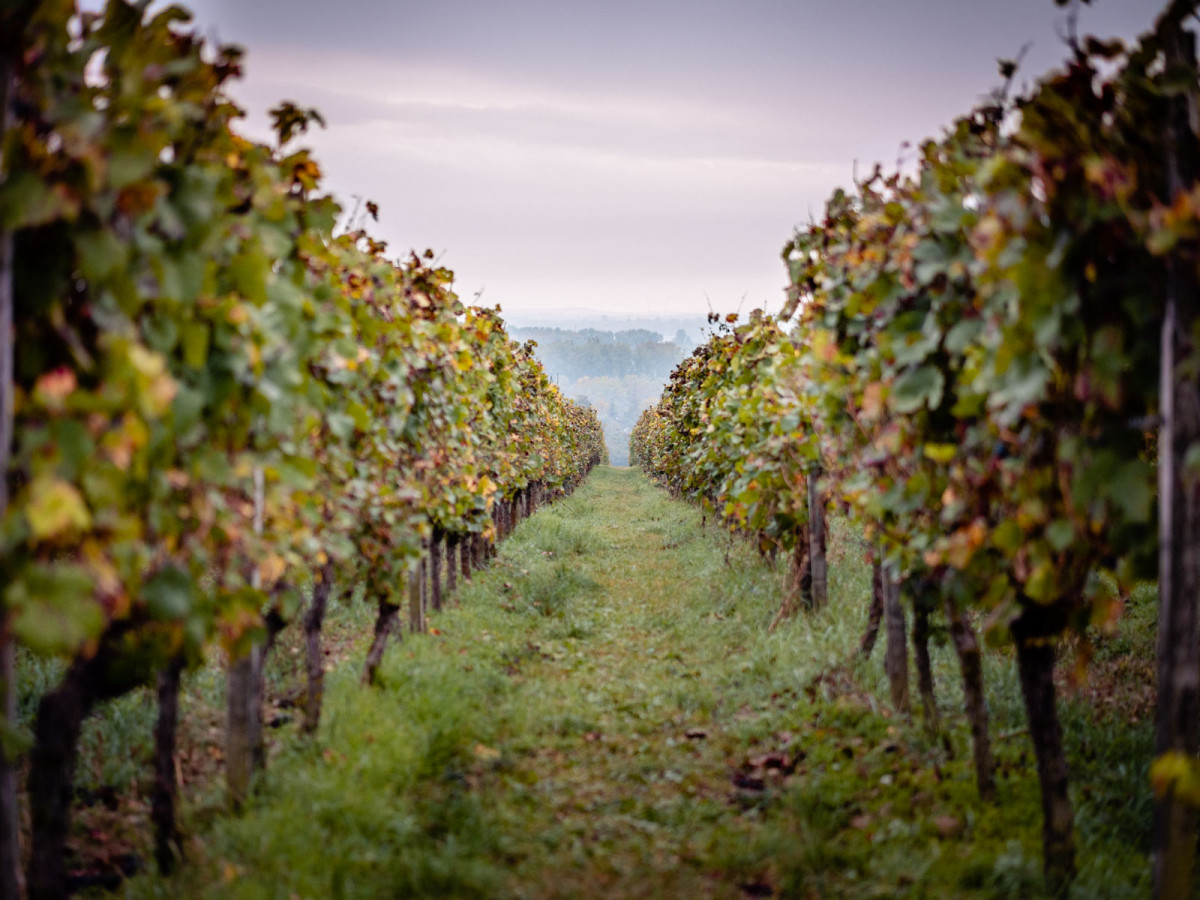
{"type": "Point", "coordinates": [590, 721]}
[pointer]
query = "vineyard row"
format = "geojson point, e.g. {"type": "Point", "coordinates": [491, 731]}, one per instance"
{"type": "Point", "coordinates": [990, 363]}
{"type": "Point", "coordinates": [212, 398]}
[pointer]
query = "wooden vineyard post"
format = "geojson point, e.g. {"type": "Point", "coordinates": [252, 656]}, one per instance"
{"type": "Point", "coordinates": [258, 749]}
{"type": "Point", "coordinates": [168, 848]}
{"type": "Point", "coordinates": [452, 544]}
{"type": "Point", "coordinates": [241, 710]}
{"type": "Point", "coordinates": [816, 542]}
{"type": "Point", "coordinates": [10, 854]}
{"type": "Point", "coordinates": [1177, 727]}
{"type": "Point", "coordinates": [238, 753]}
{"type": "Point", "coordinates": [896, 656]}
{"type": "Point", "coordinates": [435, 570]}
{"type": "Point", "coordinates": [314, 657]}
{"type": "Point", "coordinates": [416, 622]}
{"type": "Point", "coordinates": [423, 568]}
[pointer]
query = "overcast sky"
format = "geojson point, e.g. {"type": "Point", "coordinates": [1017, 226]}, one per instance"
{"type": "Point", "coordinates": [624, 156]}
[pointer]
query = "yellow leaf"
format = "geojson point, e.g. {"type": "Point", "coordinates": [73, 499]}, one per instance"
{"type": "Point", "coordinates": [162, 392]}
{"type": "Point", "coordinates": [147, 362]}
{"type": "Point", "coordinates": [940, 453]}
{"type": "Point", "coordinates": [1176, 774]}
{"type": "Point", "coordinates": [1041, 585]}
{"type": "Point", "coordinates": [272, 568]}
{"type": "Point", "coordinates": [54, 507]}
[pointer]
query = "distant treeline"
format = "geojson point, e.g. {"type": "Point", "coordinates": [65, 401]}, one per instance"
{"type": "Point", "coordinates": [688, 331]}
{"type": "Point", "coordinates": [590, 353]}
{"type": "Point", "coordinates": [619, 373]}
{"type": "Point", "coordinates": [587, 335]}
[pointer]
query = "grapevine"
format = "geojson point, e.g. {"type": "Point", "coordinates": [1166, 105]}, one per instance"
{"type": "Point", "coordinates": [216, 396]}
{"type": "Point", "coordinates": [972, 364]}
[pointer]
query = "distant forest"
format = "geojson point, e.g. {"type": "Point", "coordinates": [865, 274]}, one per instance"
{"type": "Point", "coordinates": [620, 373]}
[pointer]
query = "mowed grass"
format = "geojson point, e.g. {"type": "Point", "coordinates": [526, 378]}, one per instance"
{"type": "Point", "coordinates": [603, 714]}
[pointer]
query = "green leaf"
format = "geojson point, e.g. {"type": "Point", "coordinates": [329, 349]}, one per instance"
{"type": "Point", "coordinates": [161, 331]}
{"type": "Point", "coordinates": [931, 259]}
{"type": "Point", "coordinates": [129, 163]}
{"type": "Point", "coordinates": [181, 276]}
{"type": "Point", "coordinates": [15, 740]}
{"type": "Point", "coordinates": [1007, 537]}
{"type": "Point", "coordinates": [1131, 490]}
{"type": "Point", "coordinates": [341, 425]}
{"type": "Point", "coordinates": [1060, 534]}
{"type": "Point", "coordinates": [26, 201]}
{"type": "Point", "coordinates": [960, 336]}
{"type": "Point", "coordinates": [915, 346]}
{"type": "Point", "coordinates": [186, 408]}
{"type": "Point", "coordinates": [1024, 383]}
{"type": "Point", "coordinates": [1191, 462]}
{"type": "Point", "coordinates": [249, 271]}
{"type": "Point", "coordinates": [360, 415]}
{"type": "Point", "coordinates": [168, 594]}
{"type": "Point", "coordinates": [194, 338]}
{"type": "Point", "coordinates": [74, 444]}
{"type": "Point", "coordinates": [53, 608]}
{"type": "Point", "coordinates": [917, 387]}
{"type": "Point", "coordinates": [101, 254]}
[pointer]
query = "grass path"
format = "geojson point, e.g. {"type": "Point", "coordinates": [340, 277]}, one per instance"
{"type": "Point", "coordinates": [623, 756]}
{"type": "Point", "coordinates": [604, 715]}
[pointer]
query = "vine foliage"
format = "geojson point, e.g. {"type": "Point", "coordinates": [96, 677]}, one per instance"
{"type": "Point", "coordinates": [971, 362]}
